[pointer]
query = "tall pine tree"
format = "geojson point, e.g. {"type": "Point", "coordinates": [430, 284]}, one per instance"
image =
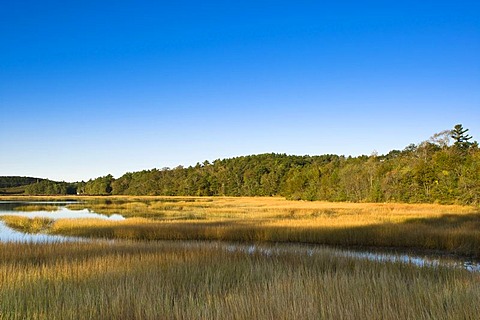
{"type": "Point", "coordinates": [460, 137]}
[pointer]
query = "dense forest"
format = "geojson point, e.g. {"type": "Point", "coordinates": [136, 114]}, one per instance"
{"type": "Point", "coordinates": [444, 169]}
{"type": "Point", "coordinates": [11, 185]}
{"type": "Point", "coordinates": [15, 181]}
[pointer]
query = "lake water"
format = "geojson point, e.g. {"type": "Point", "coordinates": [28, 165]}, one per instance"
{"type": "Point", "coordinates": [9, 235]}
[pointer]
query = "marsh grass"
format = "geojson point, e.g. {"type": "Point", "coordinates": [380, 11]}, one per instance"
{"type": "Point", "coordinates": [28, 225]}
{"type": "Point", "coordinates": [178, 280]}
{"type": "Point", "coordinates": [131, 279]}
{"type": "Point", "coordinates": [36, 207]}
{"type": "Point", "coordinates": [165, 208]}
{"type": "Point", "coordinates": [449, 228]}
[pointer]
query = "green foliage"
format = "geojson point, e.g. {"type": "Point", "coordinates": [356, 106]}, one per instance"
{"type": "Point", "coordinates": [15, 181]}
{"type": "Point", "coordinates": [432, 171]}
{"type": "Point", "coordinates": [421, 173]}
{"type": "Point", "coordinates": [48, 187]}
{"type": "Point", "coordinates": [98, 186]}
{"type": "Point", "coordinates": [11, 185]}
{"type": "Point", "coordinates": [428, 172]}
{"type": "Point", "coordinates": [35, 186]}
{"type": "Point", "coordinates": [461, 138]}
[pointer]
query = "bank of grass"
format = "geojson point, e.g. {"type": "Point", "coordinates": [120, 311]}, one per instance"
{"type": "Point", "coordinates": [272, 208]}
{"type": "Point", "coordinates": [448, 228]}
{"type": "Point", "coordinates": [28, 225]}
{"type": "Point", "coordinates": [178, 280]}
{"type": "Point", "coordinates": [37, 207]}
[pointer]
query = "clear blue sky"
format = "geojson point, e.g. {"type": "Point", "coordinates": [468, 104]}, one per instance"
{"type": "Point", "coordinates": [89, 88]}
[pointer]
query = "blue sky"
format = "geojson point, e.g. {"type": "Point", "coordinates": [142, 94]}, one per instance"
{"type": "Point", "coordinates": [96, 87]}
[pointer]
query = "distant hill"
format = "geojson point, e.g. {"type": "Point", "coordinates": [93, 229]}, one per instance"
{"type": "Point", "coordinates": [16, 181]}
{"type": "Point", "coordinates": [15, 185]}
{"type": "Point", "coordinates": [11, 191]}
{"type": "Point", "coordinates": [431, 171]}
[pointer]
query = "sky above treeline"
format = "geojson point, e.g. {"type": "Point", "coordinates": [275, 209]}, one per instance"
{"type": "Point", "coordinates": [89, 88]}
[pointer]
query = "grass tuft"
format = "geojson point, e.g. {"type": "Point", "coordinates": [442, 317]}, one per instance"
{"type": "Point", "coordinates": [28, 225]}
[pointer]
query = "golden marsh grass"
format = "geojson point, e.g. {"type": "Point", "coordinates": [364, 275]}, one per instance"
{"type": "Point", "coordinates": [28, 225]}
{"type": "Point", "coordinates": [131, 279]}
{"type": "Point", "coordinates": [42, 207]}
{"type": "Point", "coordinates": [177, 280]}
{"type": "Point", "coordinates": [449, 228]}
{"type": "Point", "coordinates": [37, 207]}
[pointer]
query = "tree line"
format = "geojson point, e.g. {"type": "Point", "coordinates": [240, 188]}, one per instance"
{"type": "Point", "coordinates": [11, 185]}
{"type": "Point", "coordinates": [444, 169]}
{"type": "Point", "coordinates": [49, 187]}
{"type": "Point", "coordinates": [16, 181]}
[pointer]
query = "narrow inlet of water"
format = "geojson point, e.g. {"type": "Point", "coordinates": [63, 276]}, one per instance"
{"type": "Point", "coordinates": [432, 261]}
{"type": "Point", "coordinates": [7, 234]}
{"type": "Point", "coordinates": [33, 209]}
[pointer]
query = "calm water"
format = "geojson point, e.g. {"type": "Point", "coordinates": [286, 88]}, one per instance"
{"type": "Point", "coordinates": [62, 212]}
{"type": "Point", "coordinates": [9, 235]}
{"type": "Point", "coordinates": [433, 261]}
{"type": "Point", "coordinates": [10, 208]}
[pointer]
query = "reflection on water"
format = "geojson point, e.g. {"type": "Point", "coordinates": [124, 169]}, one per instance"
{"type": "Point", "coordinates": [420, 261]}
{"type": "Point", "coordinates": [413, 259]}
{"type": "Point", "coordinates": [62, 213]}
{"type": "Point", "coordinates": [11, 205]}
{"type": "Point", "coordinates": [7, 234]}
{"type": "Point", "coordinates": [10, 208]}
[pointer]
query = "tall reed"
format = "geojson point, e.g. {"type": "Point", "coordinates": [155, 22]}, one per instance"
{"type": "Point", "coordinates": [177, 280]}
{"type": "Point", "coordinates": [28, 225]}
{"type": "Point", "coordinates": [452, 228]}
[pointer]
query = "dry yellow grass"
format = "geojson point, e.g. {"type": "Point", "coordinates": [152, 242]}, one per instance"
{"type": "Point", "coordinates": [165, 280]}
{"type": "Point", "coordinates": [191, 280]}
{"type": "Point", "coordinates": [265, 208]}
{"type": "Point", "coordinates": [43, 207]}
{"type": "Point", "coordinates": [450, 228]}
{"type": "Point", "coordinates": [28, 225]}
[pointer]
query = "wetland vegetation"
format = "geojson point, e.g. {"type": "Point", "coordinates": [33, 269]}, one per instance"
{"type": "Point", "coordinates": [447, 228]}
{"type": "Point", "coordinates": [180, 256]}
{"type": "Point", "coordinates": [142, 276]}
{"type": "Point", "coordinates": [443, 169]}
{"type": "Point", "coordinates": [175, 280]}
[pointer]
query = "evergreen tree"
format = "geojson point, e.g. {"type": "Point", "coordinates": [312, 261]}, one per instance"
{"type": "Point", "coordinates": [460, 137]}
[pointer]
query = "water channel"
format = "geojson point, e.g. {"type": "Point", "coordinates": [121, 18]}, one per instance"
{"type": "Point", "coordinates": [61, 211]}
{"type": "Point", "coordinates": [45, 209]}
